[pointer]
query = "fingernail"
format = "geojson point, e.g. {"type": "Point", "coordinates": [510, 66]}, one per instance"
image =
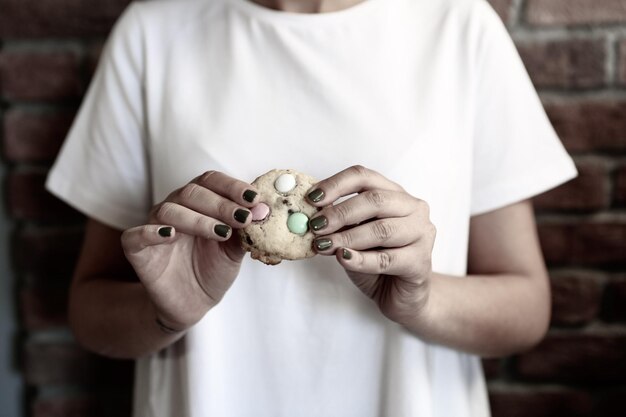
{"type": "Point", "coordinates": [241, 215]}
{"type": "Point", "coordinates": [323, 244]}
{"type": "Point", "coordinates": [165, 231]}
{"type": "Point", "coordinates": [346, 254]}
{"type": "Point", "coordinates": [316, 195]}
{"type": "Point", "coordinates": [222, 230]}
{"type": "Point", "coordinates": [318, 223]}
{"type": "Point", "coordinates": [249, 195]}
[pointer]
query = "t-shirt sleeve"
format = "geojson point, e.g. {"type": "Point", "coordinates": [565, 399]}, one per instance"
{"type": "Point", "coordinates": [102, 169]}
{"type": "Point", "coordinates": [516, 152]}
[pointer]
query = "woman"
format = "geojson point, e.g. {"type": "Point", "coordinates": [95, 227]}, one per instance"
{"type": "Point", "coordinates": [423, 109]}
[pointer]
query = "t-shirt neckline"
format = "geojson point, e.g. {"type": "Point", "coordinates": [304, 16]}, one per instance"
{"type": "Point", "coordinates": [306, 19]}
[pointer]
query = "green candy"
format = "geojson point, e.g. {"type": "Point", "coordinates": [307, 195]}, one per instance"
{"type": "Point", "coordinates": [298, 223]}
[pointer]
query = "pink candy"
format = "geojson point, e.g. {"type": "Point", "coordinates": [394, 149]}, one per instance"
{"type": "Point", "coordinates": [260, 212]}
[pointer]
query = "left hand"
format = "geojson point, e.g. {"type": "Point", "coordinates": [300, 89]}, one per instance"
{"type": "Point", "coordinates": [382, 237]}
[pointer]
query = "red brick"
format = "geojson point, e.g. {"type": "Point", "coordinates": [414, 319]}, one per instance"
{"type": "Point", "coordinates": [576, 358]}
{"type": "Point", "coordinates": [492, 367]}
{"type": "Point", "coordinates": [614, 303]}
{"type": "Point", "coordinates": [40, 76]}
{"type": "Point", "coordinates": [622, 62]}
{"type": "Point", "coordinates": [588, 192]}
{"type": "Point", "coordinates": [53, 363]}
{"type": "Point", "coordinates": [66, 363]}
{"type": "Point", "coordinates": [590, 124]}
{"type": "Point", "coordinates": [503, 8]}
{"type": "Point", "coordinates": [576, 297]}
{"type": "Point", "coordinates": [610, 402]}
{"type": "Point", "coordinates": [66, 407]}
{"type": "Point", "coordinates": [58, 18]}
{"type": "Point", "coordinates": [620, 187]}
{"type": "Point", "coordinates": [539, 402]}
{"type": "Point", "coordinates": [47, 253]}
{"type": "Point", "coordinates": [43, 308]}
{"type": "Point", "coordinates": [115, 401]}
{"type": "Point", "coordinates": [589, 242]}
{"type": "Point", "coordinates": [575, 12]}
{"type": "Point", "coordinates": [572, 63]}
{"type": "Point", "coordinates": [27, 199]}
{"type": "Point", "coordinates": [34, 137]}
{"type": "Point", "coordinates": [93, 57]}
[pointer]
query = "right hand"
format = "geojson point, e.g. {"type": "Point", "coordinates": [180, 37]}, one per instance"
{"type": "Point", "coordinates": [188, 272]}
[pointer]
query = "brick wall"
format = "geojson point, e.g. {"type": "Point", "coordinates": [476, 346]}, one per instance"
{"type": "Point", "coordinates": [575, 51]}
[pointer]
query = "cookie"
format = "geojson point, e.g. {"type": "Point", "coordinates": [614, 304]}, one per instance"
{"type": "Point", "coordinates": [280, 222]}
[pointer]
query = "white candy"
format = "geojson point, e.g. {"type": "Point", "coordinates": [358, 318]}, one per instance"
{"type": "Point", "coordinates": [285, 183]}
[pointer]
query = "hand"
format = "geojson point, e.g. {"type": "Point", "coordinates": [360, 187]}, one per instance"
{"type": "Point", "coordinates": [382, 237]}
{"type": "Point", "coordinates": [187, 256]}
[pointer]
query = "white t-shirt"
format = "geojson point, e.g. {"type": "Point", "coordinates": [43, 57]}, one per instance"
{"type": "Point", "coordinates": [430, 93]}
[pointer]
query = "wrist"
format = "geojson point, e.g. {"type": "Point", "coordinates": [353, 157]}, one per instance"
{"type": "Point", "coordinates": [417, 313]}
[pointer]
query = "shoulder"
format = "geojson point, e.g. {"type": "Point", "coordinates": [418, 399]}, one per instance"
{"type": "Point", "coordinates": [159, 20]}
{"type": "Point", "coordinates": [466, 19]}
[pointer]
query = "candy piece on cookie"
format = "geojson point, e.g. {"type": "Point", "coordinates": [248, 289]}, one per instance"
{"type": "Point", "coordinates": [280, 222]}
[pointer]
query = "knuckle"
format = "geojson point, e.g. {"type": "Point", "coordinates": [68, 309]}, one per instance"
{"type": "Point", "coordinates": [383, 230]}
{"type": "Point", "coordinates": [431, 231]}
{"type": "Point", "coordinates": [360, 170]}
{"type": "Point", "coordinates": [204, 178]}
{"type": "Point", "coordinates": [422, 268]}
{"type": "Point", "coordinates": [164, 211]}
{"type": "Point", "coordinates": [384, 260]}
{"type": "Point", "coordinates": [342, 212]}
{"type": "Point", "coordinates": [376, 197]}
{"type": "Point", "coordinates": [224, 210]}
{"type": "Point", "coordinates": [348, 238]}
{"type": "Point", "coordinates": [423, 207]}
{"type": "Point", "coordinates": [201, 223]}
{"type": "Point", "coordinates": [330, 184]}
{"type": "Point", "coordinates": [189, 192]}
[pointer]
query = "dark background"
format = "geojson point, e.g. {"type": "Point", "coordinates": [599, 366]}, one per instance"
{"type": "Point", "coordinates": [575, 51]}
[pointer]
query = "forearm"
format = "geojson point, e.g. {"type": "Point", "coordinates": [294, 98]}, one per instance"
{"type": "Point", "coordinates": [488, 315]}
{"type": "Point", "coordinates": [116, 319]}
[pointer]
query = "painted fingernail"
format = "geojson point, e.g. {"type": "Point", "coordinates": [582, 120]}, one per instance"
{"type": "Point", "coordinates": [316, 195]}
{"type": "Point", "coordinates": [346, 254]}
{"type": "Point", "coordinates": [165, 231]}
{"type": "Point", "coordinates": [318, 223]}
{"type": "Point", "coordinates": [249, 195]}
{"type": "Point", "coordinates": [222, 230]}
{"type": "Point", "coordinates": [241, 215]}
{"type": "Point", "coordinates": [323, 244]}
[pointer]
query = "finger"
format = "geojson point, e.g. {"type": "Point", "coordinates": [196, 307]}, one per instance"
{"type": "Point", "coordinates": [190, 222]}
{"type": "Point", "coordinates": [229, 187]}
{"type": "Point", "coordinates": [205, 201]}
{"type": "Point", "coordinates": [384, 233]}
{"type": "Point", "coordinates": [367, 205]}
{"type": "Point", "coordinates": [352, 180]}
{"type": "Point", "coordinates": [138, 238]}
{"type": "Point", "coordinates": [398, 261]}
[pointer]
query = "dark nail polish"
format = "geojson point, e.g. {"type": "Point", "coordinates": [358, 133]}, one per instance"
{"type": "Point", "coordinates": [316, 195]}
{"type": "Point", "coordinates": [346, 254]}
{"type": "Point", "coordinates": [241, 215]}
{"type": "Point", "coordinates": [249, 195]}
{"type": "Point", "coordinates": [222, 230]}
{"type": "Point", "coordinates": [165, 231]}
{"type": "Point", "coordinates": [323, 244]}
{"type": "Point", "coordinates": [318, 223]}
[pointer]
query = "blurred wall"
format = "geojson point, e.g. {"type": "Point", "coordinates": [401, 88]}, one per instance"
{"type": "Point", "coordinates": [575, 51]}
{"type": "Point", "coordinates": [10, 379]}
